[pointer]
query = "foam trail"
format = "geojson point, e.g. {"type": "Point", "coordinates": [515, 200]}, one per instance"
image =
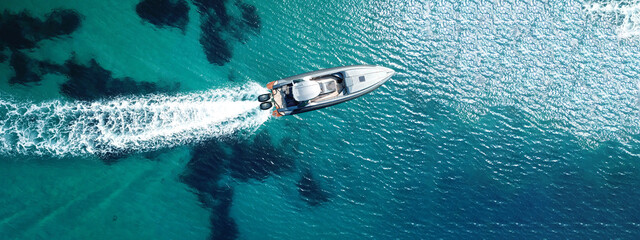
{"type": "Point", "coordinates": [626, 14]}
{"type": "Point", "coordinates": [134, 123]}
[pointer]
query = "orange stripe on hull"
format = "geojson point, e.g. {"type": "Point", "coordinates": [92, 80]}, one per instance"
{"type": "Point", "coordinates": [270, 85]}
{"type": "Point", "coordinates": [275, 113]}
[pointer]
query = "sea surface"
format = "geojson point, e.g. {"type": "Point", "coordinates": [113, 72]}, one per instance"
{"type": "Point", "coordinates": [137, 119]}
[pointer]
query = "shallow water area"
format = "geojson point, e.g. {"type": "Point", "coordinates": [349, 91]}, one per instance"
{"type": "Point", "coordinates": [512, 119]}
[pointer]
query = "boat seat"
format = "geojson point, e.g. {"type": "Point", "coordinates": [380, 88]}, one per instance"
{"type": "Point", "coordinates": [287, 97]}
{"type": "Point", "coordinates": [327, 86]}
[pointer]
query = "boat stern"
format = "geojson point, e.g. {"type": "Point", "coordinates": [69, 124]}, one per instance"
{"type": "Point", "coordinates": [275, 113]}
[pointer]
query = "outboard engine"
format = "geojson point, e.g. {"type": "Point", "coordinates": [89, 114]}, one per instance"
{"type": "Point", "coordinates": [264, 97]}
{"type": "Point", "coordinates": [265, 105]}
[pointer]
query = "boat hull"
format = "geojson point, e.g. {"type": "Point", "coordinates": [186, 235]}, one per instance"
{"type": "Point", "coordinates": [358, 81]}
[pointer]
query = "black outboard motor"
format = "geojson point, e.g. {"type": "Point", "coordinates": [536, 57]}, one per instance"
{"type": "Point", "coordinates": [264, 97]}
{"type": "Point", "coordinates": [265, 105]}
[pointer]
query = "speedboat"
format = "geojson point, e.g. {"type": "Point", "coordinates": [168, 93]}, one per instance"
{"type": "Point", "coordinates": [323, 88]}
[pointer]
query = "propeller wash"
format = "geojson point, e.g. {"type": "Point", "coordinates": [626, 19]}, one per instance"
{"type": "Point", "coordinates": [135, 123]}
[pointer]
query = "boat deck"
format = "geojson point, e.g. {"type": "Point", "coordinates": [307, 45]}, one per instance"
{"type": "Point", "coordinates": [331, 87]}
{"type": "Point", "coordinates": [339, 90]}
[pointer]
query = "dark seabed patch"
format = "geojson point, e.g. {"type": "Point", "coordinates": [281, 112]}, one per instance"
{"type": "Point", "coordinates": [256, 158]}
{"type": "Point", "coordinates": [215, 47]}
{"type": "Point", "coordinates": [213, 7]}
{"type": "Point", "coordinates": [162, 13]}
{"type": "Point", "coordinates": [241, 159]}
{"type": "Point", "coordinates": [203, 172]}
{"type": "Point", "coordinates": [219, 29]}
{"type": "Point", "coordinates": [91, 82]}
{"type": "Point", "coordinates": [21, 30]}
{"type": "Point", "coordinates": [224, 226]}
{"type": "Point", "coordinates": [260, 159]}
{"type": "Point", "coordinates": [250, 15]}
{"type": "Point", "coordinates": [310, 189]}
{"type": "Point", "coordinates": [29, 70]}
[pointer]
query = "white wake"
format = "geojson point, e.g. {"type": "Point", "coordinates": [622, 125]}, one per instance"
{"type": "Point", "coordinates": [136, 123]}
{"type": "Point", "coordinates": [624, 13]}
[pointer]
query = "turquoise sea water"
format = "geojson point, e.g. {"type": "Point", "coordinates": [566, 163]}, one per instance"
{"type": "Point", "coordinates": [136, 120]}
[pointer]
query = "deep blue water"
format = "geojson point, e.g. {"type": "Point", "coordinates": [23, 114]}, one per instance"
{"type": "Point", "coordinates": [137, 120]}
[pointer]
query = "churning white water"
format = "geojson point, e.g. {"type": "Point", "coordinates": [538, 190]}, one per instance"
{"type": "Point", "coordinates": [135, 123]}
{"type": "Point", "coordinates": [624, 13]}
